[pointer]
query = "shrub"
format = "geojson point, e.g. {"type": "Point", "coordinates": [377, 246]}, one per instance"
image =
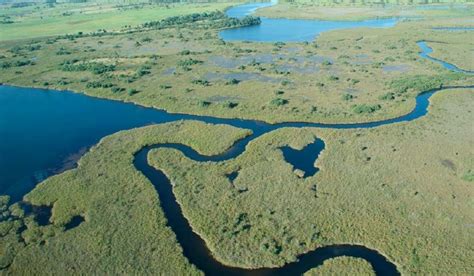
{"type": "Point", "coordinates": [185, 52]}
{"type": "Point", "coordinates": [233, 82]}
{"type": "Point", "coordinates": [189, 62]}
{"type": "Point", "coordinates": [99, 84]}
{"type": "Point", "coordinates": [117, 89]}
{"type": "Point", "coordinates": [354, 81]}
{"type": "Point", "coordinates": [231, 104]}
{"type": "Point", "coordinates": [204, 103]}
{"type": "Point", "coordinates": [326, 63]}
{"type": "Point", "coordinates": [143, 71]}
{"type": "Point", "coordinates": [365, 108]}
{"type": "Point", "coordinates": [333, 78]}
{"type": "Point", "coordinates": [421, 83]}
{"type": "Point", "coordinates": [279, 44]}
{"type": "Point", "coordinates": [347, 97]}
{"type": "Point", "coordinates": [279, 102]}
{"type": "Point", "coordinates": [165, 86]}
{"type": "Point", "coordinates": [387, 96]}
{"type": "Point", "coordinates": [94, 67]}
{"type": "Point", "coordinates": [132, 91]}
{"type": "Point", "coordinates": [201, 82]}
{"type": "Point", "coordinates": [62, 51]}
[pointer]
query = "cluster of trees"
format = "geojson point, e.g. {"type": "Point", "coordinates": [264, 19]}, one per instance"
{"type": "Point", "coordinates": [99, 84]}
{"type": "Point", "coordinates": [96, 68]}
{"type": "Point", "coordinates": [218, 18]}
{"type": "Point", "coordinates": [17, 63]}
{"type": "Point", "coordinates": [420, 83]}
{"type": "Point", "coordinates": [366, 108]}
{"type": "Point", "coordinates": [235, 22]}
{"type": "Point", "coordinates": [184, 19]}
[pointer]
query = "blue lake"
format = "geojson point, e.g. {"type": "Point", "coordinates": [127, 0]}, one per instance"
{"type": "Point", "coordinates": [290, 30]}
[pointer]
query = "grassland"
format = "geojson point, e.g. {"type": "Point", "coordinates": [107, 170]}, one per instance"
{"type": "Point", "coordinates": [343, 266]}
{"type": "Point", "coordinates": [124, 231]}
{"type": "Point", "coordinates": [190, 70]}
{"type": "Point", "coordinates": [366, 193]}
{"type": "Point", "coordinates": [311, 10]}
{"type": "Point", "coordinates": [41, 20]}
{"type": "Point", "coordinates": [404, 190]}
{"type": "Point", "coordinates": [458, 44]}
{"type": "Point", "coordinates": [416, 212]}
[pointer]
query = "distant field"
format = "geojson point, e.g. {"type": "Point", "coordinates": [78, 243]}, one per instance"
{"type": "Point", "coordinates": [343, 76]}
{"type": "Point", "coordinates": [37, 21]}
{"type": "Point", "coordinates": [307, 10]}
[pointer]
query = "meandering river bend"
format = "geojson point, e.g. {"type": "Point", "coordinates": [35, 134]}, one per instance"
{"type": "Point", "coordinates": [56, 125]}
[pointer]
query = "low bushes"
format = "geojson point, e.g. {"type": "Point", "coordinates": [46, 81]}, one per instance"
{"type": "Point", "coordinates": [96, 68]}
{"type": "Point", "coordinates": [366, 108]}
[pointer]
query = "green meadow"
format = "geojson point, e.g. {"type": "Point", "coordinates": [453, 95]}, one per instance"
{"type": "Point", "coordinates": [343, 76]}
{"type": "Point", "coordinates": [71, 19]}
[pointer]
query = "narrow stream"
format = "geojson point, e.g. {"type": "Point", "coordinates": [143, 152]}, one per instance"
{"type": "Point", "coordinates": [196, 251]}
{"type": "Point", "coordinates": [56, 126]}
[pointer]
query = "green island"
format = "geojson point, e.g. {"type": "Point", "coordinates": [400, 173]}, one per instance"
{"type": "Point", "coordinates": [403, 189]}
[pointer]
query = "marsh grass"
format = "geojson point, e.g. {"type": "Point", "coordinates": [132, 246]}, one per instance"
{"type": "Point", "coordinates": [143, 69]}
{"type": "Point", "coordinates": [366, 192]}
{"type": "Point", "coordinates": [343, 266]}
{"type": "Point", "coordinates": [124, 230]}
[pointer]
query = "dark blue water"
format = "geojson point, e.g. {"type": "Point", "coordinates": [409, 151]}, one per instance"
{"type": "Point", "coordinates": [43, 132]}
{"type": "Point", "coordinates": [304, 159]}
{"type": "Point", "coordinates": [290, 30]}
{"type": "Point", "coordinates": [197, 252]}
{"type": "Point", "coordinates": [427, 50]}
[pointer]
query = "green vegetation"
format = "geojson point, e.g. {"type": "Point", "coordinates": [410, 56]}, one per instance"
{"type": "Point", "coordinates": [279, 102]}
{"type": "Point", "coordinates": [347, 97]}
{"type": "Point", "coordinates": [364, 108]}
{"type": "Point", "coordinates": [218, 19]}
{"type": "Point", "coordinates": [343, 266]}
{"type": "Point", "coordinates": [268, 215]}
{"type": "Point", "coordinates": [456, 51]}
{"type": "Point", "coordinates": [94, 67]}
{"type": "Point", "coordinates": [422, 83]}
{"type": "Point", "coordinates": [165, 56]}
{"type": "Point", "coordinates": [469, 176]}
{"type": "Point", "coordinates": [362, 10]}
{"type": "Point", "coordinates": [42, 20]}
{"type": "Point", "coordinates": [120, 207]}
{"type": "Point", "coordinates": [244, 228]}
{"type": "Point", "coordinates": [185, 58]}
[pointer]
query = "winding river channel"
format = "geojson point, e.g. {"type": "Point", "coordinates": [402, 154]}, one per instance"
{"type": "Point", "coordinates": [53, 128]}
